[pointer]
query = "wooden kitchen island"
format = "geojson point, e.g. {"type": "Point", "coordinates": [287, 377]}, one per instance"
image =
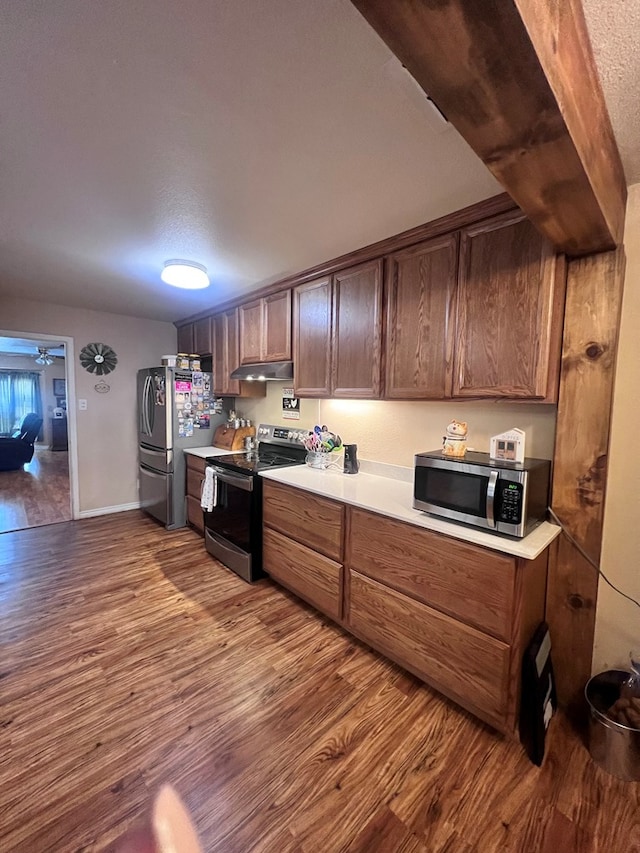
{"type": "Point", "coordinates": [455, 610]}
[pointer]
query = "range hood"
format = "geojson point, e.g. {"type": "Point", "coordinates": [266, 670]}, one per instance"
{"type": "Point", "coordinates": [265, 372]}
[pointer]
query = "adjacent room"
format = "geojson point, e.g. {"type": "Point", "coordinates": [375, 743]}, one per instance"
{"type": "Point", "coordinates": [34, 459]}
{"type": "Point", "coordinates": [319, 375]}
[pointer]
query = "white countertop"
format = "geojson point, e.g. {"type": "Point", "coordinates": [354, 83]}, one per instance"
{"type": "Point", "coordinates": [388, 490]}
{"type": "Point", "coordinates": [205, 452]}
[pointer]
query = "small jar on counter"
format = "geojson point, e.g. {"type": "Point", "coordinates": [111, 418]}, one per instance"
{"type": "Point", "coordinates": [182, 361]}
{"type": "Point", "coordinates": [194, 361]}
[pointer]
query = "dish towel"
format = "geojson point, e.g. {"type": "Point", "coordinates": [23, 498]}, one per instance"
{"type": "Point", "coordinates": [209, 498]}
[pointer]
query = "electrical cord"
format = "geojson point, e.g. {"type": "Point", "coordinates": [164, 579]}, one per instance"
{"type": "Point", "coordinates": [589, 560]}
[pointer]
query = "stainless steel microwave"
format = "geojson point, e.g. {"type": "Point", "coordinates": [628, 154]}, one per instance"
{"type": "Point", "coordinates": [508, 498]}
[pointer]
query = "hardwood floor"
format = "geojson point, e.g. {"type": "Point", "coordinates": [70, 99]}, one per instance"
{"type": "Point", "coordinates": [37, 494]}
{"type": "Point", "coordinates": [129, 658]}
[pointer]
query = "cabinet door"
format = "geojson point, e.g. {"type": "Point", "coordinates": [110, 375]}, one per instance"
{"type": "Point", "coordinates": [313, 520]}
{"type": "Point", "coordinates": [470, 583]}
{"type": "Point", "coordinates": [251, 317]}
{"type": "Point", "coordinates": [312, 338]}
{"type": "Point", "coordinates": [421, 283]}
{"type": "Point", "coordinates": [232, 338]}
{"type": "Point", "coordinates": [277, 327]}
{"type": "Point", "coordinates": [510, 291]}
{"type": "Point", "coordinates": [218, 353]}
{"type": "Point", "coordinates": [465, 664]}
{"type": "Point", "coordinates": [305, 572]}
{"type": "Point", "coordinates": [185, 338]}
{"type": "Point", "coordinates": [357, 331]}
{"type": "Point", "coordinates": [225, 333]}
{"type": "Point", "coordinates": [202, 337]}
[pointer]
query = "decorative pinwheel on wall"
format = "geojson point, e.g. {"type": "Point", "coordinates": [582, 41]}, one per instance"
{"type": "Point", "coordinates": [98, 358]}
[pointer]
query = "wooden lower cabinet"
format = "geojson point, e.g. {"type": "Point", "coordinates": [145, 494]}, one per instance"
{"type": "Point", "coordinates": [303, 545]}
{"type": "Point", "coordinates": [309, 519]}
{"type": "Point", "coordinates": [472, 584]}
{"type": "Point", "coordinates": [457, 615]}
{"type": "Point", "coordinates": [315, 578]}
{"type": "Point", "coordinates": [465, 664]}
{"type": "Point", "coordinates": [195, 479]}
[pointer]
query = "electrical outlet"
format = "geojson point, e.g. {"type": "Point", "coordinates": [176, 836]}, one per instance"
{"type": "Point", "coordinates": [82, 405]}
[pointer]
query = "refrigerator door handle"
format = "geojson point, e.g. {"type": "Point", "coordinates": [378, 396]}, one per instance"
{"type": "Point", "coordinates": [144, 408]}
{"type": "Point", "coordinates": [149, 407]}
{"type": "Point", "coordinates": [154, 474]}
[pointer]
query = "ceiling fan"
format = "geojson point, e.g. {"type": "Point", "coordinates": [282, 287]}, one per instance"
{"type": "Point", "coordinates": [44, 356]}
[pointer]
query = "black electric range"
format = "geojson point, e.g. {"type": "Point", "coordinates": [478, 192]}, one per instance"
{"type": "Point", "coordinates": [264, 457]}
{"type": "Point", "coordinates": [233, 525]}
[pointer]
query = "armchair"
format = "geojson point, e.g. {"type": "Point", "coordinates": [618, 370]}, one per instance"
{"type": "Point", "coordinates": [17, 449]}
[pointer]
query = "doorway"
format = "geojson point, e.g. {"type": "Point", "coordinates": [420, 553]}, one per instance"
{"type": "Point", "coordinates": [34, 379]}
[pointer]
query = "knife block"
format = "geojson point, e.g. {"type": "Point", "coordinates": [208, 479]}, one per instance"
{"type": "Point", "coordinates": [228, 438]}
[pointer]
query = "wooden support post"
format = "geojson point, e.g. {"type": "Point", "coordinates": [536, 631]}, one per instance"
{"type": "Point", "coordinates": [592, 313]}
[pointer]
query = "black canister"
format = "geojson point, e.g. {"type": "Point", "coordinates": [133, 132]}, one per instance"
{"type": "Point", "coordinates": [351, 464]}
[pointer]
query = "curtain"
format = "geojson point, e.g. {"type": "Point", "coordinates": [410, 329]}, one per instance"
{"type": "Point", "coordinates": [19, 395]}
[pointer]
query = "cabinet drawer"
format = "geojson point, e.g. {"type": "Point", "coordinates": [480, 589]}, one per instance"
{"type": "Point", "coordinates": [310, 575]}
{"type": "Point", "coordinates": [463, 663]}
{"type": "Point", "coordinates": [467, 582]}
{"type": "Point", "coordinates": [309, 519]}
{"type": "Point", "coordinates": [194, 483]}
{"type": "Point", "coordinates": [196, 463]}
{"type": "Point", "coordinates": [194, 514]}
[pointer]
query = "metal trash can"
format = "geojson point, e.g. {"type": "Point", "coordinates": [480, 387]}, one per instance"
{"type": "Point", "coordinates": [613, 746]}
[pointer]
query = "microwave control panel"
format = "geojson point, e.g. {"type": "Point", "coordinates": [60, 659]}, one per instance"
{"type": "Point", "coordinates": [510, 502]}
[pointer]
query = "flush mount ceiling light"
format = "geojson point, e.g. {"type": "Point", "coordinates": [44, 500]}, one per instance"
{"type": "Point", "coordinates": [185, 274]}
{"type": "Point", "coordinates": [44, 357]}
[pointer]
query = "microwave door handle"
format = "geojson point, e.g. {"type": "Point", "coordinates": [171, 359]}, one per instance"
{"type": "Point", "coordinates": [491, 497]}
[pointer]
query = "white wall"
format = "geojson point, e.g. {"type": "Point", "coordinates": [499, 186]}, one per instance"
{"type": "Point", "coordinates": [390, 431]}
{"type": "Point", "coordinates": [618, 620]}
{"type": "Point", "coordinates": [107, 430]}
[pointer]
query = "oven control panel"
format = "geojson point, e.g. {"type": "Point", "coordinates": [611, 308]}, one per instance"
{"type": "Point", "coordinates": [281, 435]}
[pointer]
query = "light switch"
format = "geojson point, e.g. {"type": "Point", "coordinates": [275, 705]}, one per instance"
{"type": "Point", "coordinates": [82, 405]}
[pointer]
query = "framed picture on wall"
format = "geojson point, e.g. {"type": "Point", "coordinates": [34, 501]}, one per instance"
{"type": "Point", "coordinates": [59, 388]}
{"type": "Point", "coordinates": [61, 403]}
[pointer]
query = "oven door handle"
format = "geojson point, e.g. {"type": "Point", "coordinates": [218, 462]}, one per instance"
{"type": "Point", "coordinates": [236, 480]}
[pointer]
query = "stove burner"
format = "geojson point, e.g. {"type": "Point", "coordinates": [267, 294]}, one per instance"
{"type": "Point", "coordinates": [266, 456]}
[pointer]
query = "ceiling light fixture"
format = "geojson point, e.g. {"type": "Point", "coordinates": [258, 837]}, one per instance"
{"type": "Point", "coordinates": [44, 357]}
{"type": "Point", "coordinates": [185, 274]}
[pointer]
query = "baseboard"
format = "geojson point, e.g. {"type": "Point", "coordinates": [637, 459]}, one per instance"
{"type": "Point", "coordinates": [108, 510]}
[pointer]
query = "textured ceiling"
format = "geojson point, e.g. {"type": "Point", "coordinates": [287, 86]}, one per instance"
{"type": "Point", "coordinates": [258, 137]}
{"type": "Point", "coordinates": [614, 27]}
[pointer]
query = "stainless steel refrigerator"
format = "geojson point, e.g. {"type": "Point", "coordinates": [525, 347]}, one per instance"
{"type": "Point", "coordinates": [176, 409]}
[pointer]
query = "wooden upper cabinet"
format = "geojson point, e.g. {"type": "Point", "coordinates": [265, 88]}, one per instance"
{"type": "Point", "coordinates": [265, 329]}
{"type": "Point", "coordinates": [509, 312]}
{"type": "Point", "coordinates": [356, 350]}
{"type": "Point", "coordinates": [251, 331]}
{"type": "Point", "coordinates": [186, 338]}
{"type": "Point", "coordinates": [202, 337]}
{"type": "Point", "coordinates": [420, 314]}
{"type": "Point", "coordinates": [277, 327]}
{"type": "Point", "coordinates": [226, 353]}
{"type": "Point", "coordinates": [337, 330]}
{"type": "Point", "coordinates": [312, 338]}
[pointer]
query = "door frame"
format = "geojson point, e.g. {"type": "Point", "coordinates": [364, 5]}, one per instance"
{"type": "Point", "coordinates": [69, 375]}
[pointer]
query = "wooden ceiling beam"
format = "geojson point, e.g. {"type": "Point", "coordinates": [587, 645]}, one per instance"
{"type": "Point", "coordinates": [518, 80]}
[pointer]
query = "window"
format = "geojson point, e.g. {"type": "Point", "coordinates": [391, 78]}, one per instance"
{"type": "Point", "coordinates": [19, 395]}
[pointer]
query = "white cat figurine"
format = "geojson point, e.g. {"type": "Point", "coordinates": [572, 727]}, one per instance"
{"type": "Point", "coordinates": [454, 443]}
